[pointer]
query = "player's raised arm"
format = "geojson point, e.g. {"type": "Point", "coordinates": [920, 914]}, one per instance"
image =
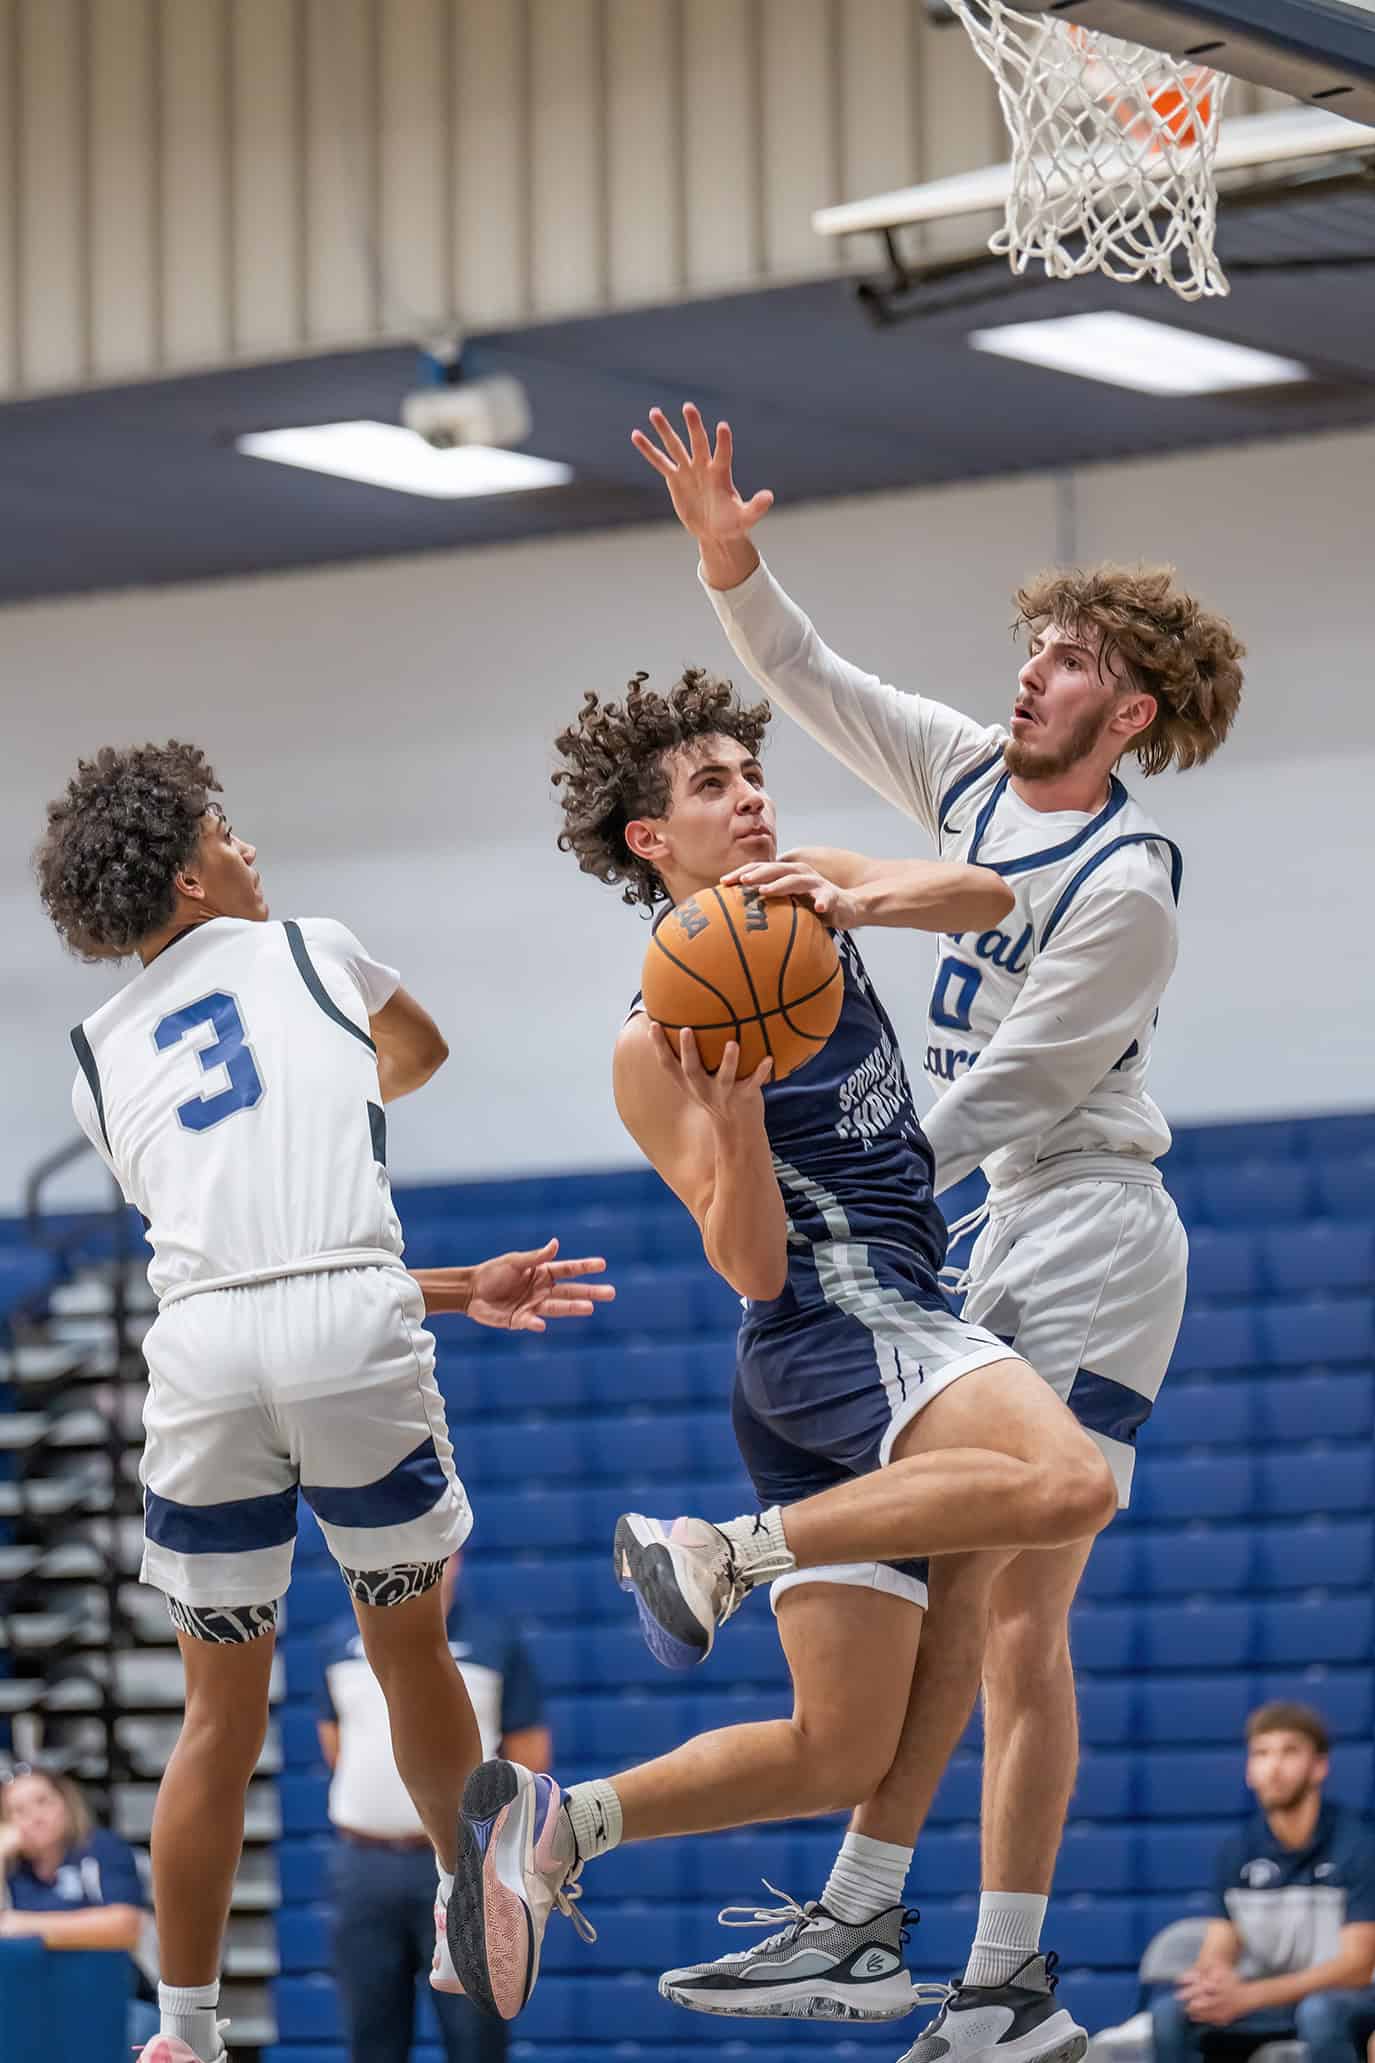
{"type": "Point", "coordinates": [849, 891]}
{"type": "Point", "coordinates": [410, 1046]}
{"type": "Point", "coordinates": [705, 1135]}
{"type": "Point", "coordinates": [906, 747]}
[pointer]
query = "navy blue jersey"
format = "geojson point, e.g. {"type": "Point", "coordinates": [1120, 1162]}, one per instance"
{"type": "Point", "coordinates": [848, 1148]}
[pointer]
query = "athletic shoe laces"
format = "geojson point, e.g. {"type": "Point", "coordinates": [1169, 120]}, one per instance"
{"type": "Point", "coordinates": [794, 1917]}
{"type": "Point", "coordinates": [566, 1899]}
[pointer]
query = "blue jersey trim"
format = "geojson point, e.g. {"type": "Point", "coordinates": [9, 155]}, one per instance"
{"type": "Point", "coordinates": [1103, 1405]}
{"type": "Point", "coordinates": [966, 781]}
{"type": "Point", "coordinates": [1117, 799]}
{"type": "Point", "coordinates": [81, 1046]}
{"type": "Point", "coordinates": [1096, 860]}
{"type": "Point", "coordinates": [306, 968]}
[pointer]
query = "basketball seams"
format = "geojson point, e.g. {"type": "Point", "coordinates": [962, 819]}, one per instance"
{"type": "Point", "coordinates": [710, 986]}
{"type": "Point", "coordinates": [743, 957]}
{"type": "Point", "coordinates": [779, 1010]}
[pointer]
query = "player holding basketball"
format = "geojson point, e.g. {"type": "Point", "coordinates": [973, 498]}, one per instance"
{"type": "Point", "coordinates": [1082, 1262]}
{"type": "Point", "coordinates": [875, 1425]}
{"type": "Point", "coordinates": [234, 1087]}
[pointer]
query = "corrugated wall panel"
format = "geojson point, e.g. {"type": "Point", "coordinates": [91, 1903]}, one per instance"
{"type": "Point", "coordinates": [125, 283]}
{"type": "Point", "coordinates": [491, 95]}
{"type": "Point", "coordinates": [194, 181]}
{"type": "Point", "coordinates": [341, 104]}
{"type": "Point", "coordinates": [183, 182]}
{"type": "Point", "coordinates": [52, 257]}
{"type": "Point", "coordinates": [723, 143]}
{"type": "Point", "coordinates": [568, 155]}
{"type": "Point", "coordinates": [267, 105]}
{"type": "Point", "coordinates": [644, 140]}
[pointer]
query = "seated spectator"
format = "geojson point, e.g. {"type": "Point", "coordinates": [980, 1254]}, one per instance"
{"type": "Point", "coordinates": [72, 1884]}
{"type": "Point", "coordinates": [1291, 1952]}
{"type": "Point", "coordinates": [383, 1877]}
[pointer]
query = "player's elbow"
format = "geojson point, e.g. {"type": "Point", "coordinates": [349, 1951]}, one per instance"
{"type": "Point", "coordinates": [988, 897]}
{"type": "Point", "coordinates": [437, 1055]}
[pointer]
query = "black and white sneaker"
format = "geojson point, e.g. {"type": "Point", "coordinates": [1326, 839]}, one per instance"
{"type": "Point", "coordinates": [815, 1968]}
{"type": "Point", "coordinates": [1016, 2022]}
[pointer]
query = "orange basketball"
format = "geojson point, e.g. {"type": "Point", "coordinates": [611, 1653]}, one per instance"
{"type": "Point", "coordinates": [732, 964]}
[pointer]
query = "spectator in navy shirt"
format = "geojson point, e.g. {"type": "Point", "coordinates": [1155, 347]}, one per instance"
{"type": "Point", "coordinates": [383, 1867]}
{"type": "Point", "coordinates": [71, 1884]}
{"type": "Point", "coordinates": [1291, 1951]}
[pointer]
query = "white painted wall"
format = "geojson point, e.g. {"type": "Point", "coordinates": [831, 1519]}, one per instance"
{"type": "Point", "coordinates": [384, 732]}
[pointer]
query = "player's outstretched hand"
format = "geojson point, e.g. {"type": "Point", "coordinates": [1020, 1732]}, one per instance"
{"type": "Point", "coordinates": [792, 877]}
{"type": "Point", "coordinates": [705, 498]}
{"type": "Point", "coordinates": [516, 1292]}
{"type": "Point", "coordinates": [723, 1095]}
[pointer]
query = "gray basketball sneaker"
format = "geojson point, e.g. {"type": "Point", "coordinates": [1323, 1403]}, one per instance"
{"type": "Point", "coordinates": [814, 1968]}
{"type": "Point", "coordinates": [1016, 2022]}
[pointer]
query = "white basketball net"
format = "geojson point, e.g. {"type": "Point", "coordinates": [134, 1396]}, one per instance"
{"type": "Point", "coordinates": [1113, 152]}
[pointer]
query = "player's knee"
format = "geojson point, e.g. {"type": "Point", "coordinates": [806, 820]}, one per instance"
{"type": "Point", "coordinates": [1090, 1492]}
{"type": "Point", "coordinates": [842, 1766]}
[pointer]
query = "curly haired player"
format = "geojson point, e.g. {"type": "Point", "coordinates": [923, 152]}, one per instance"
{"type": "Point", "coordinates": [876, 1425]}
{"type": "Point", "coordinates": [1039, 1042]}
{"type": "Point", "coordinates": [235, 1088]}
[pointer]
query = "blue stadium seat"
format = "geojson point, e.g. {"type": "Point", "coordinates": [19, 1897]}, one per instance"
{"type": "Point", "coordinates": [1224, 1262]}
{"type": "Point", "coordinates": [317, 1598]}
{"type": "Point", "coordinates": [1203, 1707]}
{"type": "Point", "coordinates": [1209, 1413]}
{"type": "Point", "coordinates": [1193, 1559]}
{"type": "Point", "coordinates": [1326, 1253]}
{"type": "Point", "coordinates": [1100, 2001]}
{"type": "Point", "coordinates": [1180, 1858]}
{"type": "Point", "coordinates": [1196, 1486]}
{"type": "Point", "coordinates": [300, 1742]}
{"type": "Point", "coordinates": [1312, 1331]}
{"type": "Point", "coordinates": [1290, 1408]}
{"type": "Point", "coordinates": [1255, 1192]}
{"type": "Point", "coordinates": [1097, 1858]}
{"type": "Point", "coordinates": [303, 1938]}
{"type": "Point", "coordinates": [1344, 1184]}
{"type": "Point", "coordinates": [1304, 1630]}
{"type": "Point", "coordinates": [1317, 1478]}
{"type": "Point", "coordinates": [1107, 1711]}
{"type": "Point", "coordinates": [1221, 1338]}
{"type": "Point", "coordinates": [1103, 1637]}
{"type": "Point", "coordinates": [1106, 1787]}
{"type": "Point", "coordinates": [1189, 1635]}
{"type": "Point", "coordinates": [1314, 1551]}
{"type": "Point", "coordinates": [1192, 1783]}
{"type": "Point", "coordinates": [1114, 1568]}
{"type": "Point", "coordinates": [303, 1868]}
{"type": "Point", "coordinates": [307, 2009]}
{"type": "Point", "coordinates": [1343, 1695]}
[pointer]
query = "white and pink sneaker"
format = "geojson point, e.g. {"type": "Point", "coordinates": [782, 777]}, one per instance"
{"type": "Point", "coordinates": [165, 2048]}
{"type": "Point", "coordinates": [513, 1870]}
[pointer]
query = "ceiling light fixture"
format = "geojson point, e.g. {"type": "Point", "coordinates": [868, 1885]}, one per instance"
{"type": "Point", "coordinates": [1131, 351]}
{"type": "Point", "coordinates": [385, 455]}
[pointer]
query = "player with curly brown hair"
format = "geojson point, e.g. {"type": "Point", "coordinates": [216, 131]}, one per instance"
{"type": "Point", "coordinates": [1039, 1041]}
{"type": "Point", "coordinates": [235, 1089]}
{"type": "Point", "coordinates": [876, 1426]}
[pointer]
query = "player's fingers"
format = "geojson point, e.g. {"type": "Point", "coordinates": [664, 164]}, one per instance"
{"type": "Point", "coordinates": [672, 442]}
{"type": "Point", "coordinates": [725, 448]}
{"type": "Point", "coordinates": [663, 1049]}
{"type": "Point", "coordinates": [758, 505]}
{"type": "Point", "coordinates": [730, 1065]}
{"type": "Point", "coordinates": [698, 442]}
{"type": "Point", "coordinates": [528, 1322]}
{"type": "Point", "coordinates": [591, 1264]}
{"type": "Point", "coordinates": [648, 449]}
{"type": "Point", "coordinates": [763, 1073]}
{"type": "Point", "coordinates": [533, 1260]}
{"type": "Point", "coordinates": [565, 1307]}
{"type": "Point", "coordinates": [689, 1055]}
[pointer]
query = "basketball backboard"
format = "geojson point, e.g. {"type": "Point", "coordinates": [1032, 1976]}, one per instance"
{"type": "Point", "coordinates": [1319, 51]}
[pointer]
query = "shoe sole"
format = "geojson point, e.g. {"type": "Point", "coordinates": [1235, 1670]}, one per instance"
{"type": "Point", "coordinates": [1070, 2047]}
{"type": "Point", "coordinates": [644, 1566]}
{"type": "Point", "coordinates": [491, 1934]}
{"type": "Point", "coordinates": [883, 2000]}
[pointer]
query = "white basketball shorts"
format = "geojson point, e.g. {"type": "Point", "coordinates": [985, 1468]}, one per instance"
{"type": "Point", "coordinates": [1085, 1279]}
{"type": "Point", "coordinates": [319, 1383]}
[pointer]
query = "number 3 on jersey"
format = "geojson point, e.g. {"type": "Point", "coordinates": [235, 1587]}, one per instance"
{"type": "Point", "coordinates": [228, 1049]}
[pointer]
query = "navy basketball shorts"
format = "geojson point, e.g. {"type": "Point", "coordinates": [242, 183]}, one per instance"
{"type": "Point", "coordinates": [832, 1372]}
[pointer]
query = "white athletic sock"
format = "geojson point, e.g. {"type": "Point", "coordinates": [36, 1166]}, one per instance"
{"type": "Point", "coordinates": [446, 1887]}
{"type": "Point", "coordinates": [761, 1548]}
{"type": "Point", "coordinates": [867, 1878]}
{"type": "Point", "coordinates": [188, 2012]}
{"type": "Point", "coordinates": [592, 1816]}
{"type": "Point", "coordinates": [1008, 1931]}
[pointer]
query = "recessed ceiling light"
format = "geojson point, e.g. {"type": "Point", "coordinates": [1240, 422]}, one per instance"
{"type": "Point", "coordinates": [1131, 351]}
{"type": "Point", "coordinates": [385, 455]}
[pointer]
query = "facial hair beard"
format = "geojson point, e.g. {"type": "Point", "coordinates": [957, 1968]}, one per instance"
{"type": "Point", "coordinates": [1034, 763]}
{"type": "Point", "coordinates": [1297, 1797]}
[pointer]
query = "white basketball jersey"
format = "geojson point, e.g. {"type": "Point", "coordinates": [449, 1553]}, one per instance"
{"type": "Point", "coordinates": [232, 1089]}
{"type": "Point", "coordinates": [1056, 1006]}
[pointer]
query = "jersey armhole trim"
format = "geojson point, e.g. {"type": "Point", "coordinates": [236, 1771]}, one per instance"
{"type": "Point", "coordinates": [306, 968]}
{"type": "Point", "coordinates": [957, 789]}
{"type": "Point", "coordinates": [85, 1059]}
{"type": "Point", "coordinates": [1096, 860]}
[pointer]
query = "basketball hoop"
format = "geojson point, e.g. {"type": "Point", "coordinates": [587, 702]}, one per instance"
{"type": "Point", "coordinates": [1113, 150]}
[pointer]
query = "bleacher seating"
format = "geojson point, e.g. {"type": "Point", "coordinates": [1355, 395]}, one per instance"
{"type": "Point", "coordinates": [1243, 1571]}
